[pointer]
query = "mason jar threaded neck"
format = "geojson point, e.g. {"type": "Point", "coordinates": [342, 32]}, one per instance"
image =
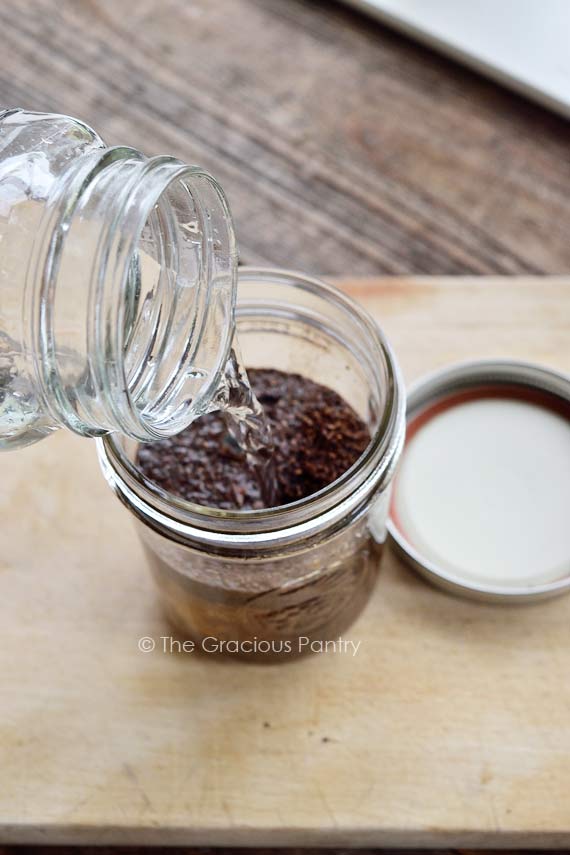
{"type": "Point", "coordinates": [131, 293]}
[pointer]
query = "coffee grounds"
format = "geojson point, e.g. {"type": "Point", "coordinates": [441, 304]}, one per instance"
{"type": "Point", "coordinates": [317, 436]}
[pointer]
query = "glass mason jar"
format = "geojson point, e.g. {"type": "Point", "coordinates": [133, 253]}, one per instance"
{"type": "Point", "coordinates": [117, 285]}
{"type": "Point", "coordinates": [259, 581]}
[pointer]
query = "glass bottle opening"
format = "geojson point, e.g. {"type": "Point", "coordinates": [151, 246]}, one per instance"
{"type": "Point", "coordinates": [156, 242]}
{"type": "Point", "coordinates": [176, 312]}
{"type": "Point", "coordinates": [118, 283]}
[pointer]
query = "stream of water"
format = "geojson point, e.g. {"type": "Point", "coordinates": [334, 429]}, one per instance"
{"type": "Point", "coordinates": [247, 424]}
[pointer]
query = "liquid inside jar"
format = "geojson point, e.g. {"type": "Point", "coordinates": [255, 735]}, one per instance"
{"type": "Point", "coordinates": [286, 545]}
{"type": "Point", "coordinates": [280, 437]}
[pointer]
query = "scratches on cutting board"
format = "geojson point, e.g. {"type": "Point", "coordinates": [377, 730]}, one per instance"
{"type": "Point", "coordinates": [133, 777]}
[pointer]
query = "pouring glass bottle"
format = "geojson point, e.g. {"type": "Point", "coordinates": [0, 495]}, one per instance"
{"type": "Point", "coordinates": [117, 285]}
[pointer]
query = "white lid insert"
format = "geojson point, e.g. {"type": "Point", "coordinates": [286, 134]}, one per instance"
{"type": "Point", "coordinates": [481, 501]}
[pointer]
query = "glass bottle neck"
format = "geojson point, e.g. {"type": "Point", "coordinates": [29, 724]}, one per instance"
{"type": "Point", "coordinates": [130, 294]}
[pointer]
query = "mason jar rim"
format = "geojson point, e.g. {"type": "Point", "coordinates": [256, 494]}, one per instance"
{"type": "Point", "coordinates": [325, 509]}
{"type": "Point", "coordinates": [157, 175]}
{"type": "Point", "coordinates": [135, 198]}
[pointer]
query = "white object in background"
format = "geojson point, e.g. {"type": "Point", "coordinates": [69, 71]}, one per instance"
{"type": "Point", "coordinates": [521, 43]}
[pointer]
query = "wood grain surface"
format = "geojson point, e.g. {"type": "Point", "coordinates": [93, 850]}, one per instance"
{"type": "Point", "coordinates": [342, 146]}
{"type": "Point", "coordinates": [450, 726]}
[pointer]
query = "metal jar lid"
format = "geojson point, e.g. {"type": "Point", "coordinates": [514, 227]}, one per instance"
{"type": "Point", "coordinates": [481, 500]}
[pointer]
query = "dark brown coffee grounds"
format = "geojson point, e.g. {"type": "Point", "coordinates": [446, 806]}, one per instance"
{"type": "Point", "coordinates": [317, 436]}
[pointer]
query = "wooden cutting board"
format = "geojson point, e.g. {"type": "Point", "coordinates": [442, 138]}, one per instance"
{"type": "Point", "coordinates": [451, 726]}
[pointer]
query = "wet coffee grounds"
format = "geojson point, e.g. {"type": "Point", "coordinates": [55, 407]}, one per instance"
{"type": "Point", "coordinates": [317, 436]}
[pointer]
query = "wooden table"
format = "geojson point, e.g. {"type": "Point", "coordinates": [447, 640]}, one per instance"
{"type": "Point", "coordinates": [342, 146]}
